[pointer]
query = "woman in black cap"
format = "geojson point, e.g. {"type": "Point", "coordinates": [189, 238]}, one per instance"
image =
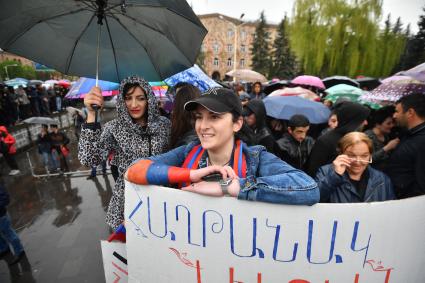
{"type": "Point", "coordinates": [220, 163]}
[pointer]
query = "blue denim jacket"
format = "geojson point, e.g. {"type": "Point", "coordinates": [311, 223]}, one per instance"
{"type": "Point", "coordinates": [269, 179]}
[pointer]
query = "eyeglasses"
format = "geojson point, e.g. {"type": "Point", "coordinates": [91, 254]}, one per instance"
{"type": "Point", "coordinates": [361, 159]}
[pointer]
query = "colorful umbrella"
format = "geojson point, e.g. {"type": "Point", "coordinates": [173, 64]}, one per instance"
{"type": "Point", "coordinates": [247, 75]}
{"type": "Point", "coordinates": [350, 93]}
{"type": "Point", "coordinates": [306, 80]}
{"type": "Point", "coordinates": [337, 80]}
{"type": "Point", "coordinates": [398, 78]}
{"type": "Point", "coordinates": [392, 92]}
{"type": "Point", "coordinates": [284, 107]}
{"type": "Point", "coordinates": [417, 72]}
{"type": "Point", "coordinates": [296, 91]}
{"type": "Point", "coordinates": [195, 76]}
{"type": "Point", "coordinates": [17, 82]}
{"type": "Point", "coordinates": [83, 86]}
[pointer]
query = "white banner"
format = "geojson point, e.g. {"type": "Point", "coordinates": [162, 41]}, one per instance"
{"type": "Point", "coordinates": [176, 236]}
{"type": "Point", "coordinates": [114, 256]}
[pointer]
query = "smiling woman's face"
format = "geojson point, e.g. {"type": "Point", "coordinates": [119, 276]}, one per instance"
{"type": "Point", "coordinates": [214, 130]}
{"type": "Point", "coordinates": [136, 102]}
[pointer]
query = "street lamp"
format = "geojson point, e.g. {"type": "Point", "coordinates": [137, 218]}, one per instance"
{"type": "Point", "coordinates": [235, 46]}
{"type": "Point", "coordinates": [5, 68]}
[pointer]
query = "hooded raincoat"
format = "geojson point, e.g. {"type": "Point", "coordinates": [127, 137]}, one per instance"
{"type": "Point", "coordinates": [350, 116]}
{"type": "Point", "coordinates": [129, 141]}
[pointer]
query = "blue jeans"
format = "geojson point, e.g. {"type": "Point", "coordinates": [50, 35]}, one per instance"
{"type": "Point", "coordinates": [58, 103]}
{"type": "Point", "coordinates": [49, 161]}
{"type": "Point", "coordinates": [9, 236]}
{"type": "Point", "coordinates": [94, 169]}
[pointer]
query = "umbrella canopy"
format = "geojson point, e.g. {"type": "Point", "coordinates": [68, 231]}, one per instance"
{"type": "Point", "coordinates": [296, 91]}
{"type": "Point", "coordinates": [195, 76]}
{"type": "Point", "coordinates": [17, 82]}
{"type": "Point", "coordinates": [83, 86]}
{"type": "Point", "coordinates": [271, 87]}
{"type": "Point", "coordinates": [397, 78]}
{"type": "Point", "coordinates": [392, 92]}
{"type": "Point", "coordinates": [40, 120]}
{"type": "Point", "coordinates": [336, 80]}
{"type": "Point", "coordinates": [151, 38]}
{"type": "Point", "coordinates": [417, 72]}
{"type": "Point", "coordinates": [35, 82]}
{"type": "Point", "coordinates": [284, 107]}
{"type": "Point", "coordinates": [348, 92]}
{"type": "Point", "coordinates": [368, 82]}
{"type": "Point", "coordinates": [306, 80]}
{"type": "Point", "coordinates": [247, 75]}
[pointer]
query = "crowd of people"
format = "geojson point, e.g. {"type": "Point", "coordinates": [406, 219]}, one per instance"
{"type": "Point", "coordinates": [223, 142]}
{"type": "Point", "coordinates": [31, 101]}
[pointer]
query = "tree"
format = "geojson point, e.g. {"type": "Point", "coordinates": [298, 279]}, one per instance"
{"type": "Point", "coordinates": [342, 37]}
{"type": "Point", "coordinates": [21, 71]}
{"type": "Point", "coordinates": [284, 63]}
{"type": "Point", "coordinates": [414, 52]}
{"type": "Point", "coordinates": [260, 48]}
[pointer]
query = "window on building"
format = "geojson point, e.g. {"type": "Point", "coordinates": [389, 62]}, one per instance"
{"type": "Point", "coordinates": [215, 62]}
{"type": "Point", "coordinates": [243, 34]}
{"type": "Point", "coordinates": [229, 47]}
{"type": "Point", "coordinates": [230, 33]}
{"type": "Point", "coordinates": [229, 62]}
{"type": "Point", "coordinates": [243, 48]}
{"type": "Point", "coordinates": [242, 62]}
{"type": "Point", "coordinates": [215, 47]}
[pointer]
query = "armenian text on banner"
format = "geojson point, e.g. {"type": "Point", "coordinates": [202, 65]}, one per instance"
{"type": "Point", "coordinates": [176, 236]}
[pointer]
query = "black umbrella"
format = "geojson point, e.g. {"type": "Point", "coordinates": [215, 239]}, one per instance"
{"type": "Point", "coordinates": [151, 38]}
{"type": "Point", "coordinates": [368, 83]}
{"type": "Point", "coordinates": [274, 86]}
{"type": "Point", "coordinates": [337, 80]}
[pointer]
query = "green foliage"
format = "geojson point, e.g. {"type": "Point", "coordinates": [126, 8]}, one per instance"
{"type": "Point", "coordinates": [342, 37]}
{"type": "Point", "coordinates": [261, 60]}
{"type": "Point", "coordinates": [284, 64]}
{"type": "Point", "coordinates": [19, 71]}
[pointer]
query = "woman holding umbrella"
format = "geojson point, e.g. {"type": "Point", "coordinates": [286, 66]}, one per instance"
{"type": "Point", "coordinates": [138, 132]}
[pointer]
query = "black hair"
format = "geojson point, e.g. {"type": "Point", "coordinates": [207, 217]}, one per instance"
{"type": "Point", "coordinates": [298, 120]}
{"type": "Point", "coordinates": [416, 101]}
{"type": "Point", "coordinates": [380, 115]}
{"type": "Point", "coordinates": [245, 133]}
{"type": "Point", "coordinates": [182, 120]}
{"type": "Point", "coordinates": [129, 86]}
{"type": "Point", "coordinates": [53, 126]}
{"type": "Point", "coordinates": [180, 85]}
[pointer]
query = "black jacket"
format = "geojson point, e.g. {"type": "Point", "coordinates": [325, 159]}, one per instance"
{"type": "Point", "coordinates": [350, 116]}
{"type": "Point", "coordinates": [294, 152]}
{"type": "Point", "coordinates": [4, 200]}
{"type": "Point", "coordinates": [263, 135]}
{"type": "Point", "coordinates": [406, 166]}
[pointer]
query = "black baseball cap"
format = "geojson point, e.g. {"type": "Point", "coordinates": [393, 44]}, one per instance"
{"type": "Point", "coordinates": [217, 100]}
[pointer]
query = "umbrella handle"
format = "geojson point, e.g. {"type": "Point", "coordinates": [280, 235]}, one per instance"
{"type": "Point", "coordinates": [96, 110]}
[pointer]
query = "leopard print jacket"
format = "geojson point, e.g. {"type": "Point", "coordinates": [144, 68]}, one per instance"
{"type": "Point", "coordinates": [128, 140]}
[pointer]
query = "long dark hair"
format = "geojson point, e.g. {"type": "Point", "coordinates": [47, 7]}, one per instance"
{"type": "Point", "coordinates": [181, 120]}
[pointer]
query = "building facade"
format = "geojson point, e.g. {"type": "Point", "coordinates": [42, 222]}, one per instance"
{"type": "Point", "coordinates": [217, 55]}
{"type": "Point", "coordinates": [5, 56]}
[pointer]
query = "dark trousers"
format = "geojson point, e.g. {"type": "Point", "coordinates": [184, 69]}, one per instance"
{"type": "Point", "coordinates": [114, 171]}
{"type": "Point", "coordinates": [10, 160]}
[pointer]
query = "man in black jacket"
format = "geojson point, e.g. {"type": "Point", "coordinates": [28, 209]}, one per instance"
{"type": "Point", "coordinates": [351, 117]}
{"type": "Point", "coordinates": [296, 145]}
{"type": "Point", "coordinates": [255, 118]}
{"type": "Point", "coordinates": [406, 166]}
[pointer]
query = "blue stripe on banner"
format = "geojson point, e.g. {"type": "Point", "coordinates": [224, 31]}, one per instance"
{"type": "Point", "coordinates": [157, 174]}
{"type": "Point", "coordinates": [194, 157]}
{"type": "Point", "coordinates": [240, 160]}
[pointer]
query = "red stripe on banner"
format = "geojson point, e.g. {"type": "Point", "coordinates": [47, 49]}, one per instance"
{"type": "Point", "coordinates": [243, 166]}
{"type": "Point", "coordinates": [119, 268]}
{"type": "Point", "coordinates": [178, 175]}
{"type": "Point", "coordinates": [190, 156]}
{"type": "Point", "coordinates": [196, 163]}
{"type": "Point", "coordinates": [137, 172]}
{"type": "Point", "coordinates": [236, 158]}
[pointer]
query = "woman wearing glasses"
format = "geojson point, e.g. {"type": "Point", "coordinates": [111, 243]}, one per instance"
{"type": "Point", "coordinates": [349, 178]}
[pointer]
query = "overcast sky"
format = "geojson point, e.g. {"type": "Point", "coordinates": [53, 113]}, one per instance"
{"type": "Point", "coordinates": [408, 10]}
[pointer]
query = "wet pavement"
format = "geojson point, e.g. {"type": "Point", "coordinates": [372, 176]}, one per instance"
{"type": "Point", "coordinates": [60, 221]}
